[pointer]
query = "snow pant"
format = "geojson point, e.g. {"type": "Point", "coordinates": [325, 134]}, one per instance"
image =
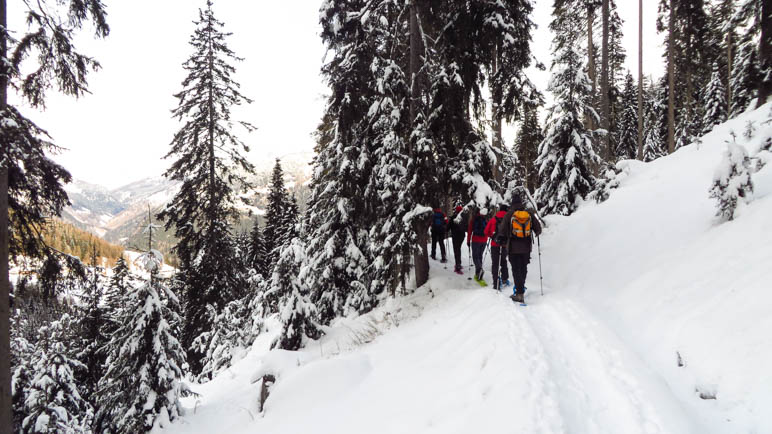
{"type": "Point", "coordinates": [438, 236]}
{"type": "Point", "coordinates": [519, 263]}
{"type": "Point", "coordinates": [457, 242]}
{"type": "Point", "coordinates": [477, 254]}
{"type": "Point", "coordinates": [498, 262]}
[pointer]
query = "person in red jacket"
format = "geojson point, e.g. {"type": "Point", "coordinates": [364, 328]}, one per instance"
{"type": "Point", "coordinates": [498, 253]}
{"type": "Point", "coordinates": [475, 235]}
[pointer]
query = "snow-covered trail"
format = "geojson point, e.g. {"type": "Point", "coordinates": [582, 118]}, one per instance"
{"type": "Point", "coordinates": [456, 358]}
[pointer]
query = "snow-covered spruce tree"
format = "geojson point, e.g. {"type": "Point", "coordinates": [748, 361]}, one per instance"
{"type": "Point", "coordinates": [732, 181]}
{"type": "Point", "coordinates": [117, 290]}
{"type": "Point", "coordinates": [627, 125]}
{"type": "Point", "coordinates": [296, 312]}
{"type": "Point", "coordinates": [141, 386]}
{"type": "Point", "coordinates": [566, 152]}
{"type": "Point", "coordinates": [339, 216]}
{"type": "Point", "coordinates": [91, 324]}
{"type": "Point", "coordinates": [210, 166]}
{"type": "Point", "coordinates": [257, 259]}
{"type": "Point", "coordinates": [30, 182]}
{"type": "Point", "coordinates": [715, 102]}
{"type": "Point", "coordinates": [54, 402]}
{"type": "Point", "coordinates": [230, 337]}
{"type": "Point", "coordinates": [276, 224]}
{"type": "Point", "coordinates": [527, 149]}
{"type": "Point", "coordinates": [745, 76]}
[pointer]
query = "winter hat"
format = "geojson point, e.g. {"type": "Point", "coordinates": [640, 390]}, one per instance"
{"type": "Point", "coordinates": [459, 208]}
{"type": "Point", "coordinates": [503, 207]}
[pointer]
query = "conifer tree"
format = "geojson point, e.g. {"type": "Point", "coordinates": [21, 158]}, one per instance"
{"type": "Point", "coordinates": [276, 224]}
{"type": "Point", "coordinates": [141, 386]}
{"type": "Point", "coordinates": [732, 182]}
{"type": "Point", "coordinates": [54, 402]}
{"type": "Point", "coordinates": [257, 259]}
{"type": "Point", "coordinates": [746, 74]}
{"type": "Point", "coordinates": [210, 166]}
{"type": "Point", "coordinates": [715, 102]}
{"type": "Point", "coordinates": [527, 148]}
{"type": "Point", "coordinates": [30, 182]}
{"type": "Point", "coordinates": [566, 151]}
{"type": "Point", "coordinates": [627, 127]}
{"type": "Point", "coordinates": [92, 326]}
{"type": "Point", "coordinates": [296, 312]}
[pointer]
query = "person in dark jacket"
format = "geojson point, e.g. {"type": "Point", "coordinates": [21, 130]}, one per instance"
{"type": "Point", "coordinates": [518, 237]}
{"type": "Point", "coordinates": [438, 229]}
{"type": "Point", "coordinates": [476, 237]}
{"type": "Point", "coordinates": [498, 252]}
{"type": "Point", "coordinates": [457, 227]}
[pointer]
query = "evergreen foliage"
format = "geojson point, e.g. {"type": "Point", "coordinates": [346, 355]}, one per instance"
{"type": "Point", "coordinates": [53, 402]}
{"type": "Point", "coordinates": [715, 102]}
{"type": "Point", "coordinates": [210, 166]}
{"type": "Point", "coordinates": [141, 387]}
{"type": "Point", "coordinates": [526, 150]}
{"type": "Point", "coordinates": [566, 153]}
{"type": "Point", "coordinates": [257, 259]}
{"type": "Point", "coordinates": [627, 127]}
{"type": "Point", "coordinates": [277, 226]}
{"type": "Point", "coordinates": [732, 182]}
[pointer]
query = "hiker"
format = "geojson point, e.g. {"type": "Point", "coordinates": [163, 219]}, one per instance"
{"type": "Point", "coordinates": [458, 226]}
{"type": "Point", "coordinates": [515, 232]}
{"type": "Point", "coordinates": [499, 271]}
{"type": "Point", "coordinates": [439, 225]}
{"type": "Point", "coordinates": [476, 236]}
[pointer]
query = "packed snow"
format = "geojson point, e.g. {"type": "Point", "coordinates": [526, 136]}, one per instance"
{"type": "Point", "coordinates": [655, 319]}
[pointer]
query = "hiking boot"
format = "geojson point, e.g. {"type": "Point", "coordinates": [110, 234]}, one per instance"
{"type": "Point", "coordinates": [518, 298]}
{"type": "Point", "coordinates": [434, 258]}
{"type": "Point", "coordinates": [505, 283]}
{"type": "Point", "coordinates": [443, 260]}
{"type": "Point", "coordinates": [458, 271]}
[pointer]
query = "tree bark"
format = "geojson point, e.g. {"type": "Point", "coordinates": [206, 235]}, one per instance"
{"type": "Point", "coordinates": [604, 85]}
{"type": "Point", "coordinates": [496, 118]}
{"type": "Point", "coordinates": [421, 258]}
{"type": "Point", "coordinates": [640, 80]}
{"type": "Point", "coordinates": [765, 54]}
{"type": "Point", "coordinates": [589, 122]}
{"type": "Point", "coordinates": [6, 403]}
{"type": "Point", "coordinates": [671, 82]}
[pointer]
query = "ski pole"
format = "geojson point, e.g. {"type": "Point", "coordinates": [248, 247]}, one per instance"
{"type": "Point", "coordinates": [535, 208]}
{"type": "Point", "coordinates": [541, 277]}
{"type": "Point", "coordinates": [482, 262]}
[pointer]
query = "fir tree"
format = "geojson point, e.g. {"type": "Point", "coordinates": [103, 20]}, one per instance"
{"type": "Point", "coordinates": [296, 312]}
{"type": "Point", "coordinates": [627, 127]}
{"type": "Point", "coordinates": [527, 149]}
{"type": "Point", "coordinates": [210, 166]}
{"type": "Point", "coordinates": [141, 387]}
{"type": "Point", "coordinates": [732, 181]}
{"type": "Point", "coordinates": [54, 402]}
{"type": "Point", "coordinates": [92, 326]}
{"type": "Point", "coordinates": [745, 77]}
{"type": "Point", "coordinates": [715, 102]}
{"type": "Point", "coordinates": [566, 152]}
{"type": "Point", "coordinates": [258, 258]}
{"type": "Point", "coordinates": [276, 224]}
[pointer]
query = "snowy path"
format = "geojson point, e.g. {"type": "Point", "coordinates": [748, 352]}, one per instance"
{"type": "Point", "coordinates": [468, 360]}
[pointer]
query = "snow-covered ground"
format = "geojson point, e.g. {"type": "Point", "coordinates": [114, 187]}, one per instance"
{"type": "Point", "coordinates": [649, 302]}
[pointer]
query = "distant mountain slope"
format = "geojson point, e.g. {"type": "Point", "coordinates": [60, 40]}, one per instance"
{"type": "Point", "coordinates": [120, 214]}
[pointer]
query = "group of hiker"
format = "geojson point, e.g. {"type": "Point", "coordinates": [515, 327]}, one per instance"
{"type": "Point", "coordinates": [509, 233]}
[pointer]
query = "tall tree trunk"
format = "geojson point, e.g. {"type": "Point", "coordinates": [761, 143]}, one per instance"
{"type": "Point", "coordinates": [640, 80]}
{"type": "Point", "coordinates": [496, 118]}
{"type": "Point", "coordinates": [589, 120]}
{"type": "Point", "coordinates": [6, 403]}
{"type": "Point", "coordinates": [729, 62]}
{"type": "Point", "coordinates": [671, 82]}
{"type": "Point", "coordinates": [765, 54]}
{"type": "Point", "coordinates": [604, 86]}
{"type": "Point", "coordinates": [420, 259]}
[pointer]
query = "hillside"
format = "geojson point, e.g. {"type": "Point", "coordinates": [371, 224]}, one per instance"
{"type": "Point", "coordinates": [120, 214]}
{"type": "Point", "coordinates": [655, 319]}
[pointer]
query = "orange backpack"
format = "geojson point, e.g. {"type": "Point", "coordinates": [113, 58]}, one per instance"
{"type": "Point", "coordinates": [521, 224]}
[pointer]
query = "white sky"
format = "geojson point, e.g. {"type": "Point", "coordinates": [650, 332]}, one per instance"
{"type": "Point", "coordinates": [120, 132]}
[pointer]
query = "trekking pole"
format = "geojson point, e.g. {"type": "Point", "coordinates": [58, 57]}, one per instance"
{"type": "Point", "coordinates": [541, 278]}
{"type": "Point", "coordinates": [535, 208]}
{"type": "Point", "coordinates": [482, 262]}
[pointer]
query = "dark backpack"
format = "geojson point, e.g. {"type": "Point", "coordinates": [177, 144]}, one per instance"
{"type": "Point", "coordinates": [439, 220]}
{"type": "Point", "coordinates": [478, 226]}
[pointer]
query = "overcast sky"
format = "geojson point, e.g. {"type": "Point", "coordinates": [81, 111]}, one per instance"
{"type": "Point", "coordinates": [120, 132]}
